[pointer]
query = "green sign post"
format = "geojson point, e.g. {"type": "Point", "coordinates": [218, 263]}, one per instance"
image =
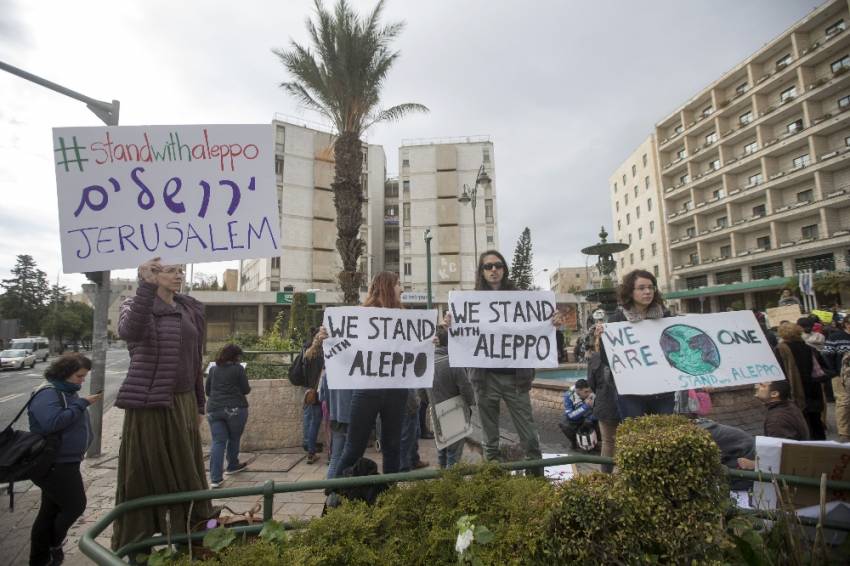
{"type": "Point", "coordinates": [285, 298]}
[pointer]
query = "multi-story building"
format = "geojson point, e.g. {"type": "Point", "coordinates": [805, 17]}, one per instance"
{"type": "Point", "coordinates": [119, 291]}
{"type": "Point", "coordinates": [432, 176]}
{"type": "Point", "coordinates": [755, 170]}
{"type": "Point", "coordinates": [304, 169]}
{"type": "Point", "coordinates": [638, 214]}
{"type": "Point", "coordinates": [574, 279]}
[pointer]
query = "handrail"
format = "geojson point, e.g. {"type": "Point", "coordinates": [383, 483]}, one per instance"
{"type": "Point", "coordinates": [101, 555]}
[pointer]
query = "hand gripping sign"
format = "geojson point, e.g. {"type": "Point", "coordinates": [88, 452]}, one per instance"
{"type": "Point", "coordinates": [377, 348]}
{"type": "Point", "coordinates": [182, 193]}
{"type": "Point", "coordinates": [689, 352]}
{"type": "Point", "coordinates": [502, 329]}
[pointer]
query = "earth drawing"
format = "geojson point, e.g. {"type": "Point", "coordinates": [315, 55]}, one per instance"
{"type": "Point", "coordinates": [689, 349]}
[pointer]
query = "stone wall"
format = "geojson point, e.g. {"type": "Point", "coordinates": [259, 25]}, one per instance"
{"type": "Point", "coordinates": [274, 416]}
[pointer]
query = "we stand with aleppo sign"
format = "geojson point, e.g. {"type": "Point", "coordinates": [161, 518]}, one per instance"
{"type": "Point", "coordinates": [502, 329]}
{"type": "Point", "coordinates": [183, 193]}
{"type": "Point", "coordinates": [376, 348]}
{"type": "Point", "coordinates": [689, 352]}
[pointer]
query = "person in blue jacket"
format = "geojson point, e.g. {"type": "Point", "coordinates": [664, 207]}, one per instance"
{"type": "Point", "coordinates": [56, 407]}
{"type": "Point", "coordinates": [578, 409]}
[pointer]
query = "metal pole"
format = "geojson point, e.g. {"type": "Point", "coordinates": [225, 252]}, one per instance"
{"type": "Point", "coordinates": [108, 113]}
{"type": "Point", "coordinates": [474, 228]}
{"type": "Point", "coordinates": [428, 264]}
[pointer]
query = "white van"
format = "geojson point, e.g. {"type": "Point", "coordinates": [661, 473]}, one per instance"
{"type": "Point", "coordinates": [37, 345]}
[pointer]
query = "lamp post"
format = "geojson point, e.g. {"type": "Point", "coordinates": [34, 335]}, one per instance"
{"type": "Point", "coordinates": [470, 195]}
{"type": "Point", "coordinates": [108, 113]}
{"type": "Point", "coordinates": [428, 263]}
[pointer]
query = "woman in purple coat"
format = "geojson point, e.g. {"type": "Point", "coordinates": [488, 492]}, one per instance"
{"type": "Point", "coordinates": [163, 399]}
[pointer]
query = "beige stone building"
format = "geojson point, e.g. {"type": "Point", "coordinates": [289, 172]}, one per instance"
{"type": "Point", "coordinates": [230, 280]}
{"type": "Point", "coordinates": [638, 215]}
{"type": "Point", "coordinates": [304, 168]}
{"type": "Point", "coordinates": [120, 290]}
{"type": "Point", "coordinates": [754, 170]}
{"type": "Point", "coordinates": [432, 175]}
{"type": "Point", "coordinates": [572, 279]}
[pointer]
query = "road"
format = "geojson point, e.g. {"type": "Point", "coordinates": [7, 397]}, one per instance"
{"type": "Point", "coordinates": [16, 385]}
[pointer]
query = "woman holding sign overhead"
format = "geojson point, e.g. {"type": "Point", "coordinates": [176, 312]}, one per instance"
{"type": "Point", "coordinates": [367, 404]}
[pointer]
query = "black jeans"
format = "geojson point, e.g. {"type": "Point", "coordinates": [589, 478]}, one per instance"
{"type": "Point", "coordinates": [63, 500]}
{"type": "Point", "coordinates": [366, 404]}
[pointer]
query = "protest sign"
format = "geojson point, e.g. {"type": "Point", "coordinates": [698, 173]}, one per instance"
{"type": "Point", "coordinates": [776, 315]}
{"type": "Point", "coordinates": [689, 352]}
{"type": "Point", "coordinates": [183, 193]}
{"type": "Point", "coordinates": [502, 329]}
{"type": "Point", "coordinates": [376, 348]}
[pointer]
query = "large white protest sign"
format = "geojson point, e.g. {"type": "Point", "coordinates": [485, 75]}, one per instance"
{"type": "Point", "coordinates": [689, 352]}
{"type": "Point", "coordinates": [183, 193]}
{"type": "Point", "coordinates": [375, 348]}
{"type": "Point", "coordinates": [502, 329]}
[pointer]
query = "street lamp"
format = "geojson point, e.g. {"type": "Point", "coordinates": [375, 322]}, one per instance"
{"type": "Point", "coordinates": [428, 263]}
{"type": "Point", "coordinates": [470, 195]}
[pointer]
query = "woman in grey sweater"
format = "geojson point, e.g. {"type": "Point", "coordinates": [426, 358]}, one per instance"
{"type": "Point", "coordinates": [227, 412]}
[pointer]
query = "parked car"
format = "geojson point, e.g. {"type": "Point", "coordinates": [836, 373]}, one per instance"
{"type": "Point", "coordinates": [37, 345]}
{"type": "Point", "coordinates": [17, 359]}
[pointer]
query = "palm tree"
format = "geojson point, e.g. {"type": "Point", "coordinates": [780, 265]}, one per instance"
{"type": "Point", "coordinates": [340, 76]}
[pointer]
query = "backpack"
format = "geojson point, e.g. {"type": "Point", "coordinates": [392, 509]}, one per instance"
{"type": "Point", "coordinates": [298, 370]}
{"type": "Point", "coordinates": [586, 437]}
{"type": "Point", "coordinates": [27, 455]}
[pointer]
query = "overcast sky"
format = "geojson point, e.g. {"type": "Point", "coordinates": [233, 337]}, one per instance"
{"type": "Point", "coordinates": [566, 90]}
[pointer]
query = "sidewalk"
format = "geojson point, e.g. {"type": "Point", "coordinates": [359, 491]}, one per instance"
{"type": "Point", "coordinates": [284, 465]}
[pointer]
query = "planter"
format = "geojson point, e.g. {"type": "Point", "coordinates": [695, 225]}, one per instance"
{"type": "Point", "coordinates": [274, 416]}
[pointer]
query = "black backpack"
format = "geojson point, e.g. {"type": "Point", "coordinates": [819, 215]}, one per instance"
{"type": "Point", "coordinates": [298, 370]}
{"type": "Point", "coordinates": [27, 455]}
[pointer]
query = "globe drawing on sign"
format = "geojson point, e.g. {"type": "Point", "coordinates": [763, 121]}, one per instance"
{"type": "Point", "coordinates": [689, 349]}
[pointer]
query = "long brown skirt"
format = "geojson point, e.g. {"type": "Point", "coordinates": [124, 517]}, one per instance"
{"type": "Point", "coordinates": [160, 453]}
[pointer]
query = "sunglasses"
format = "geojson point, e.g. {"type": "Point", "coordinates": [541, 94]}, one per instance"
{"type": "Point", "coordinates": [489, 266]}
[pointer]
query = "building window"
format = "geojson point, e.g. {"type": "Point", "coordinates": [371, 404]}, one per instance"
{"type": "Point", "coordinates": [839, 64]}
{"type": "Point", "coordinates": [622, 263]}
{"type": "Point", "coordinates": [718, 193]}
{"type": "Point", "coordinates": [788, 94]}
{"type": "Point", "coordinates": [759, 210]}
{"type": "Point", "coordinates": [615, 188]}
{"type": "Point", "coordinates": [681, 153]}
{"type": "Point", "coordinates": [836, 27]}
{"type": "Point", "coordinates": [810, 231]}
{"type": "Point", "coordinates": [711, 138]}
{"type": "Point", "coordinates": [626, 199]}
{"type": "Point", "coordinates": [634, 170]}
{"type": "Point", "coordinates": [280, 140]}
{"type": "Point", "coordinates": [630, 238]}
{"type": "Point", "coordinates": [405, 162]}
{"type": "Point", "coordinates": [678, 129]}
{"type": "Point", "coordinates": [617, 205]}
{"type": "Point", "coordinates": [619, 226]}
{"type": "Point", "coordinates": [745, 118]}
{"type": "Point", "coordinates": [691, 232]}
{"type": "Point", "coordinates": [275, 263]}
{"type": "Point", "coordinates": [847, 141]}
{"type": "Point", "coordinates": [684, 179]}
{"type": "Point", "coordinates": [802, 161]}
{"type": "Point", "coordinates": [741, 88]}
{"type": "Point", "coordinates": [655, 270]}
{"type": "Point", "coordinates": [754, 179]}
{"type": "Point", "coordinates": [624, 180]}
{"type": "Point", "coordinates": [406, 213]}
{"type": "Point", "coordinates": [488, 210]}
{"type": "Point", "coordinates": [784, 60]}
{"type": "Point", "coordinates": [408, 269]}
{"type": "Point", "coordinates": [649, 204]}
{"type": "Point", "coordinates": [714, 165]}
{"type": "Point", "coordinates": [751, 148]}
{"type": "Point", "coordinates": [485, 154]}
{"type": "Point", "coordinates": [707, 110]}
{"type": "Point", "coordinates": [725, 251]}
{"type": "Point", "coordinates": [722, 222]}
{"type": "Point", "coordinates": [490, 238]}
{"type": "Point", "coordinates": [278, 167]}
{"type": "Point", "coordinates": [654, 248]}
{"type": "Point", "coordinates": [844, 101]}
{"type": "Point", "coordinates": [405, 185]}
{"type": "Point", "coordinates": [628, 219]}
{"type": "Point", "coordinates": [687, 205]}
{"type": "Point", "coordinates": [641, 254]}
{"type": "Point", "coordinates": [637, 212]}
{"type": "Point", "coordinates": [644, 159]}
{"type": "Point", "coordinates": [646, 182]}
{"type": "Point", "coordinates": [652, 226]}
{"type": "Point", "coordinates": [805, 196]}
{"type": "Point", "coordinates": [640, 233]}
{"type": "Point", "coordinates": [636, 191]}
{"type": "Point", "coordinates": [632, 259]}
{"type": "Point", "coordinates": [794, 126]}
{"type": "Point", "coordinates": [693, 258]}
{"type": "Point", "coordinates": [763, 242]}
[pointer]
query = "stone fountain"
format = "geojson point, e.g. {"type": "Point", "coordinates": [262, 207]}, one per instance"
{"type": "Point", "coordinates": [606, 293]}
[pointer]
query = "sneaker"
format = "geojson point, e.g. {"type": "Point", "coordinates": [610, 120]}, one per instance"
{"type": "Point", "coordinates": [215, 484]}
{"type": "Point", "coordinates": [239, 467]}
{"type": "Point", "coordinates": [312, 458]}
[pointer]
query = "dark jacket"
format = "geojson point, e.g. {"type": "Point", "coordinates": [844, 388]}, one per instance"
{"type": "Point", "coordinates": [53, 411]}
{"type": "Point", "coordinates": [797, 362]}
{"type": "Point", "coordinates": [226, 387]}
{"type": "Point", "coordinates": [601, 381]}
{"type": "Point", "coordinates": [448, 381]}
{"type": "Point", "coordinates": [784, 419]}
{"type": "Point", "coordinates": [152, 331]}
{"type": "Point", "coordinates": [836, 345]}
{"type": "Point", "coordinates": [734, 443]}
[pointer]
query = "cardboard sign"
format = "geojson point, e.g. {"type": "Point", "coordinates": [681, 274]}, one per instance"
{"type": "Point", "coordinates": [183, 193]}
{"type": "Point", "coordinates": [451, 420]}
{"type": "Point", "coordinates": [776, 315]}
{"type": "Point", "coordinates": [824, 316]}
{"type": "Point", "coordinates": [502, 329]}
{"type": "Point", "coordinates": [689, 352]}
{"type": "Point", "coordinates": [375, 348]}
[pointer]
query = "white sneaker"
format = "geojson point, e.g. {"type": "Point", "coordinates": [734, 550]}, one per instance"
{"type": "Point", "coordinates": [215, 484]}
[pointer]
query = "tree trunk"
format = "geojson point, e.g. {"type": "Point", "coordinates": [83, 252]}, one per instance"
{"type": "Point", "coordinates": [348, 201]}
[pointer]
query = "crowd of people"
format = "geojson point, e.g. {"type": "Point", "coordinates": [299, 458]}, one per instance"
{"type": "Point", "coordinates": [165, 399]}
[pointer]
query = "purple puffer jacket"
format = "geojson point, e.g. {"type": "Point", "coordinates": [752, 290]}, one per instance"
{"type": "Point", "coordinates": [153, 338]}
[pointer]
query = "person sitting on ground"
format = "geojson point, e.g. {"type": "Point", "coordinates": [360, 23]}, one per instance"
{"type": "Point", "coordinates": [578, 409]}
{"type": "Point", "coordinates": [449, 382]}
{"type": "Point", "coordinates": [736, 446]}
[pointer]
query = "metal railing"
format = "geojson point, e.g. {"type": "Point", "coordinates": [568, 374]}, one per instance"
{"type": "Point", "coordinates": [104, 556]}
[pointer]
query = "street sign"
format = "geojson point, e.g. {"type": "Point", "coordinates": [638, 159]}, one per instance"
{"type": "Point", "coordinates": [285, 298]}
{"type": "Point", "coordinates": [412, 297]}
